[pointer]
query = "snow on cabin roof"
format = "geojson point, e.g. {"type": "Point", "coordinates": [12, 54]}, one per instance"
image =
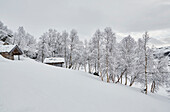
{"type": "Point", "coordinates": [6, 48]}
{"type": "Point", "coordinates": [1, 43]}
{"type": "Point", "coordinates": [54, 60]}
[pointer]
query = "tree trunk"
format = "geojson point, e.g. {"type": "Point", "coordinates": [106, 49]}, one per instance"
{"type": "Point", "coordinates": [113, 78]}
{"type": "Point", "coordinates": [79, 66]}
{"type": "Point", "coordinates": [153, 87]}
{"type": "Point", "coordinates": [118, 79]}
{"type": "Point", "coordinates": [89, 68]}
{"type": "Point", "coordinates": [132, 81]}
{"type": "Point", "coordinates": [42, 58]}
{"type": "Point", "coordinates": [95, 67]}
{"type": "Point", "coordinates": [75, 66]}
{"type": "Point", "coordinates": [146, 83]}
{"type": "Point", "coordinates": [121, 76]}
{"type": "Point", "coordinates": [107, 66]}
{"type": "Point", "coordinates": [101, 76]}
{"type": "Point", "coordinates": [98, 57]}
{"type": "Point", "coordinates": [126, 78]}
{"type": "Point", "coordinates": [70, 61]}
{"type": "Point", "coordinates": [145, 49]}
{"type": "Point", "coordinates": [108, 78]}
{"type": "Point", "coordinates": [65, 54]}
{"type": "Point", "coordinates": [18, 57]}
{"type": "Point", "coordinates": [85, 67]}
{"type": "Point", "coordinates": [66, 62]}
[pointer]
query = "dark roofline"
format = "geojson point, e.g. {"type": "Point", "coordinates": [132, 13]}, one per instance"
{"type": "Point", "coordinates": [16, 47]}
{"type": "Point", "coordinates": [54, 62]}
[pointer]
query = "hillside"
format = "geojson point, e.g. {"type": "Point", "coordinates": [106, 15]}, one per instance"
{"type": "Point", "coordinates": [29, 86]}
{"type": "Point", "coordinates": [162, 52]}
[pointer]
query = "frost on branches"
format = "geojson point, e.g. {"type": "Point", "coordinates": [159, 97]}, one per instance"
{"type": "Point", "coordinates": [125, 62]}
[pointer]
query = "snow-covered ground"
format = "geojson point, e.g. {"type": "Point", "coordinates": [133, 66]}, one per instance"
{"type": "Point", "coordinates": [29, 86]}
{"type": "Point", "coordinates": [162, 52]}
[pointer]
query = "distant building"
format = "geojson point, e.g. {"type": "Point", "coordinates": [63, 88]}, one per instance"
{"type": "Point", "coordinates": [8, 51]}
{"type": "Point", "coordinates": [4, 43]}
{"type": "Point", "coordinates": [55, 61]}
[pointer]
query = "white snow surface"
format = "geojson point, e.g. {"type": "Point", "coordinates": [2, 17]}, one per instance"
{"type": "Point", "coordinates": [53, 60]}
{"type": "Point", "coordinates": [6, 48]}
{"type": "Point", "coordinates": [29, 86]}
{"type": "Point", "coordinates": [1, 43]}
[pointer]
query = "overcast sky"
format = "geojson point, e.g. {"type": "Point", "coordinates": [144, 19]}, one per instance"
{"type": "Point", "coordinates": [125, 17]}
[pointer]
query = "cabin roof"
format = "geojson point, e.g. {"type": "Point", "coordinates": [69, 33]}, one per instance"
{"type": "Point", "coordinates": [9, 48]}
{"type": "Point", "coordinates": [54, 60]}
{"type": "Point", "coordinates": [6, 48]}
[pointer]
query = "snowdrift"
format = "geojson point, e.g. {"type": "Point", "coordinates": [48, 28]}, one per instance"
{"type": "Point", "coordinates": [2, 59]}
{"type": "Point", "coordinates": [29, 86]}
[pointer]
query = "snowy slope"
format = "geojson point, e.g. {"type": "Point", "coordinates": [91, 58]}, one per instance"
{"type": "Point", "coordinates": [162, 52]}
{"type": "Point", "coordinates": [29, 86]}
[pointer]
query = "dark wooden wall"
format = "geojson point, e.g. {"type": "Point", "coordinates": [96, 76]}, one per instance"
{"type": "Point", "coordinates": [56, 64]}
{"type": "Point", "coordinates": [8, 56]}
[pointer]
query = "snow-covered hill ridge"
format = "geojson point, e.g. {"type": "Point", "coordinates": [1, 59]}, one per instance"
{"type": "Point", "coordinates": [29, 86]}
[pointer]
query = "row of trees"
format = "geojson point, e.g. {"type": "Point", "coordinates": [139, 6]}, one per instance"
{"type": "Point", "coordinates": [130, 60]}
{"type": "Point", "coordinates": [21, 38]}
{"type": "Point", "coordinates": [4, 32]}
{"type": "Point", "coordinates": [125, 62]}
{"type": "Point", "coordinates": [56, 44]}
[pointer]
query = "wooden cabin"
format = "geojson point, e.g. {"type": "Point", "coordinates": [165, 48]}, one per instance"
{"type": "Point", "coordinates": [55, 61]}
{"type": "Point", "coordinates": [9, 51]}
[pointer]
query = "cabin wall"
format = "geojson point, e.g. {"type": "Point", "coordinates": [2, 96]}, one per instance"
{"type": "Point", "coordinates": [8, 56]}
{"type": "Point", "coordinates": [16, 52]}
{"type": "Point", "coordinates": [59, 64]}
{"type": "Point", "coordinates": [56, 64]}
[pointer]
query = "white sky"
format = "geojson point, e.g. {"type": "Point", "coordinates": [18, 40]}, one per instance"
{"type": "Point", "coordinates": [125, 17]}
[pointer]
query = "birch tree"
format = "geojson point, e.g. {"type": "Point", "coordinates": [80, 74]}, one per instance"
{"type": "Point", "coordinates": [145, 40]}
{"type": "Point", "coordinates": [5, 33]}
{"type": "Point", "coordinates": [65, 46]}
{"type": "Point", "coordinates": [97, 42]}
{"type": "Point", "coordinates": [43, 51]}
{"type": "Point", "coordinates": [127, 53]}
{"type": "Point", "coordinates": [109, 41]}
{"type": "Point", "coordinates": [73, 41]}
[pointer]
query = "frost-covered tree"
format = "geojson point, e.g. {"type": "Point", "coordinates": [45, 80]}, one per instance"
{"type": "Point", "coordinates": [74, 39]}
{"type": "Point", "coordinates": [52, 42]}
{"type": "Point", "coordinates": [109, 44]}
{"type": "Point", "coordinates": [5, 33]}
{"type": "Point", "coordinates": [145, 62]}
{"type": "Point", "coordinates": [159, 76]}
{"type": "Point", "coordinates": [85, 55]}
{"type": "Point", "coordinates": [30, 46]}
{"type": "Point", "coordinates": [90, 58]}
{"type": "Point", "coordinates": [97, 50]}
{"type": "Point", "coordinates": [43, 47]}
{"type": "Point", "coordinates": [78, 55]}
{"type": "Point", "coordinates": [66, 42]}
{"type": "Point", "coordinates": [25, 41]}
{"type": "Point", "coordinates": [56, 44]}
{"type": "Point", "coordinates": [127, 49]}
{"type": "Point", "coordinates": [19, 37]}
{"type": "Point", "coordinates": [138, 69]}
{"type": "Point", "coordinates": [102, 55]}
{"type": "Point", "coordinates": [145, 41]}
